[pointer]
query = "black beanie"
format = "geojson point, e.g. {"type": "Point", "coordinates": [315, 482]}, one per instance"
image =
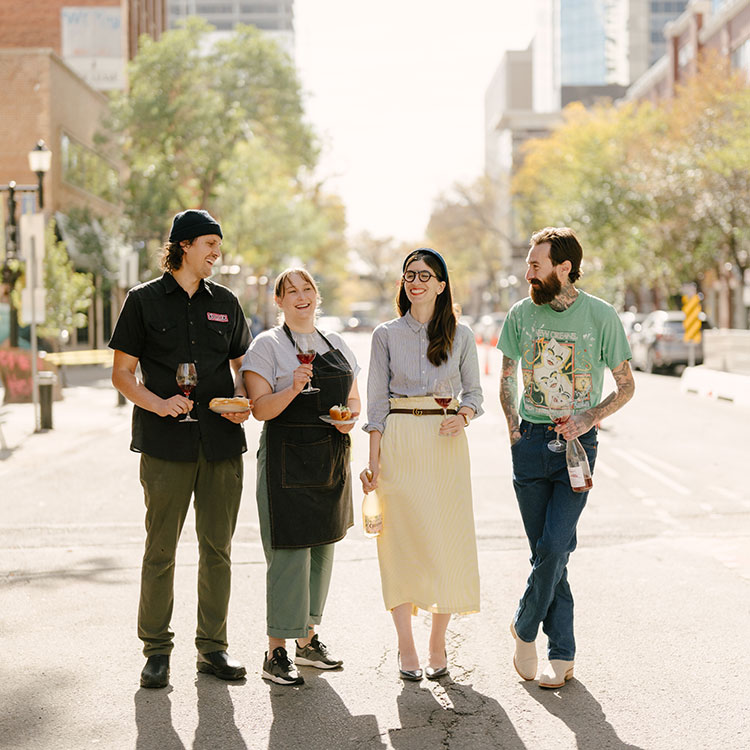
{"type": "Point", "coordinates": [188, 225]}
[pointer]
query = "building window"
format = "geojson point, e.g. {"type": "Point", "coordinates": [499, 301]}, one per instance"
{"type": "Point", "coordinates": [86, 170]}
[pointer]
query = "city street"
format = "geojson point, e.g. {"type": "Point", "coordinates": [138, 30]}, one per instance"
{"type": "Point", "coordinates": [661, 578]}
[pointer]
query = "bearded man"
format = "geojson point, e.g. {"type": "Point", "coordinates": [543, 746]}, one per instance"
{"type": "Point", "coordinates": [564, 339]}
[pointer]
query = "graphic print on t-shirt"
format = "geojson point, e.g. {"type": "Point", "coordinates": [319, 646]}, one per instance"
{"type": "Point", "coordinates": [556, 371]}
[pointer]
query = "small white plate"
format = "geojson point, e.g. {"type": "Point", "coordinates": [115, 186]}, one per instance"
{"type": "Point", "coordinates": [326, 418]}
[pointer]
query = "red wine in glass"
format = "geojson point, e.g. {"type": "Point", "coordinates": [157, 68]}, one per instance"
{"type": "Point", "coordinates": [560, 410]}
{"type": "Point", "coordinates": [443, 395]}
{"type": "Point", "coordinates": [306, 357]}
{"type": "Point", "coordinates": [306, 354]}
{"type": "Point", "coordinates": [187, 379]}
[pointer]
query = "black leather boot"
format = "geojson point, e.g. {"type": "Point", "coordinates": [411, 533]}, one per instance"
{"type": "Point", "coordinates": [156, 672]}
{"type": "Point", "coordinates": [219, 663]}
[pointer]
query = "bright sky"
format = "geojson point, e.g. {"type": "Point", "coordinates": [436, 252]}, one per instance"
{"type": "Point", "coordinates": [395, 89]}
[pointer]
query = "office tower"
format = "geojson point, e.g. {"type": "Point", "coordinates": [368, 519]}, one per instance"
{"type": "Point", "coordinates": [273, 17]}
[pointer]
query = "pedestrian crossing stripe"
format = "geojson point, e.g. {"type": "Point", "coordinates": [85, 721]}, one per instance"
{"type": "Point", "coordinates": [691, 306]}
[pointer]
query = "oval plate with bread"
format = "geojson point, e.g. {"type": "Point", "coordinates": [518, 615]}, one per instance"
{"type": "Point", "coordinates": [229, 405]}
{"type": "Point", "coordinates": [339, 414]}
{"type": "Point", "coordinates": [326, 418]}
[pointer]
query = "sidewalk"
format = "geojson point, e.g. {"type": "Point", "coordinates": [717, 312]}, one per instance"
{"type": "Point", "coordinates": [88, 399]}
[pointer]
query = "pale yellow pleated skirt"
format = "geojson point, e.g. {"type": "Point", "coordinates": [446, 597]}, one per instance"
{"type": "Point", "coordinates": [427, 550]}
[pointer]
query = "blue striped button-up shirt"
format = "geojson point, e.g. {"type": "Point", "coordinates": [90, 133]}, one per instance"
{"type": "Point", "coordinates": [399, 367]}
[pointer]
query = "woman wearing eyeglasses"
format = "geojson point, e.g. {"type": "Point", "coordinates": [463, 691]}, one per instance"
{"type": "Point", "coordinates": [419, 459]}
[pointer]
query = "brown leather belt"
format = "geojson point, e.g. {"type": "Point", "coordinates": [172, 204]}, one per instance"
{"type": "Point", "coordinates": [420, 412]}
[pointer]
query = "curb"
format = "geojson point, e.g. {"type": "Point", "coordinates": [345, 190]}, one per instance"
{"type": "Point", "coordinates": [723, 386]}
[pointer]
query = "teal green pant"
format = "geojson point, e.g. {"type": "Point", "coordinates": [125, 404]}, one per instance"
{"type": "Point", "coordinates": [297, 580]}
{"type": "Point", "coordinates": [168, 487]}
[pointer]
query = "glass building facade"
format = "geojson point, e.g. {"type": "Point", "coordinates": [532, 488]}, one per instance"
{"type": "Point", "coordinates": [582, 43]}
{"type": "Point", "coordinates": [662, 12]}
{"type": "Point", "coordinates": [266, 15]}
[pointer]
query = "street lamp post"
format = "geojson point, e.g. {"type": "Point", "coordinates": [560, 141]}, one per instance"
{"type": "Point", "coordinates": [40, 158]}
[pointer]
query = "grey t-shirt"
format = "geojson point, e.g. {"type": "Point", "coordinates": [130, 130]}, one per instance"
{"type": "Point", "coordinates": [273, 356]}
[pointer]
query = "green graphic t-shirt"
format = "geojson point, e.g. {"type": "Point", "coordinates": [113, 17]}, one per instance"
{"type": "Point", "coordinates": [563, 355]}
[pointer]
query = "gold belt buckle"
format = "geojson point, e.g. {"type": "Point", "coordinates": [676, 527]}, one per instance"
{"type": "Point", "coordinates": [417, 412]}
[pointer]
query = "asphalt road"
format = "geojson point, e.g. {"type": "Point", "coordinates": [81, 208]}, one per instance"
{"type": "Point", "coordinates": [661, 578]}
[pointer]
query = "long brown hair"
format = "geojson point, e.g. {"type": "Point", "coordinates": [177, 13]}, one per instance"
{"type": "Point", "coordinates": [441, 329]}
{"type": "Point", "coordinates": [172, 254]}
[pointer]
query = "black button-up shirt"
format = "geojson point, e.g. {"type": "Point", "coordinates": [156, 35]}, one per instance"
{"type": "Point", "coordinates": [161, 326]}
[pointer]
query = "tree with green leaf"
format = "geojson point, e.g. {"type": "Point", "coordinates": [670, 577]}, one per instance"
{"type": "Point", "coordinates": [195, 116]}
{"type": "Point", "coordinates": [68, 293]}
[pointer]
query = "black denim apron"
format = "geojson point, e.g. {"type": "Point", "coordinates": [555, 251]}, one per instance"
{"type": "Point", "coordinates": [308, 469]}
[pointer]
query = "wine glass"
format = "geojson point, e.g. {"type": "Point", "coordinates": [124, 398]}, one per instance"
{"type": "Point", "coordinates": [560, 409]}
{"type": "Point", "coordinates": [442, 392]}
{"type": "Point", "coordinates": [187, 379]}
{"type": "Point", "coordinates": [306, 354]}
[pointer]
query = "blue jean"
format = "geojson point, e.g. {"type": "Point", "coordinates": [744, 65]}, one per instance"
{"type": "Point", "coordinates": [550, 511]}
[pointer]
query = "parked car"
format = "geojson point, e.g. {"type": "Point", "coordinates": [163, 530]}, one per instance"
{"type": "Point", "coordinates": [630, 320]}
{"type": "Point", "coordinates": [658, 342]}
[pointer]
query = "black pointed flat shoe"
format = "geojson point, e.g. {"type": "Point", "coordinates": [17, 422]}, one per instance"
{"type": "Point", "coordinates": [414, 675]}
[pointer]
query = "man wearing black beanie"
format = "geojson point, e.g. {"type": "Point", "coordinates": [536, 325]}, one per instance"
{"type": "Point", "coordinates": [184, 317]}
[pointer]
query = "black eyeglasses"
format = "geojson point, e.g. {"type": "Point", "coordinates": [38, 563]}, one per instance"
{"type": "Point", "coordinates": [424, 276]}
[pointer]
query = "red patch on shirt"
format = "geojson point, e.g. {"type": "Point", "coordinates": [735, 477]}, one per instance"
{"type": "Point", "coordinates": [218, 317]}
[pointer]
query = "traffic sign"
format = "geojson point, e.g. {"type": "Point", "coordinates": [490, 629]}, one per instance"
{"type": "Point", "coordinates": [691, 306]}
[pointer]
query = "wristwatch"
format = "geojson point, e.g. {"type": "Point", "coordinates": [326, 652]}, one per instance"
{"type": "Point", "coordinates": [466, 418]}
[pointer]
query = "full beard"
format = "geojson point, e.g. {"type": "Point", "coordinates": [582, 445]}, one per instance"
{"type": "Point", "coordinates": [543, 292]}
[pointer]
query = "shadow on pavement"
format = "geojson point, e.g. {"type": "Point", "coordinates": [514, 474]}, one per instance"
{"type": "Point", "coordinates": [153, 719]}
{"type": "Point", "coordinates": [93, 570]}
{"type": "Point", "coordinates": [461, 718]}
{"type": "Point", "coordinates": [582, 714]}
{"type": "Point", "coordinates": [216, 726]}
{"type": "Point", "coordinates": [318, 720]}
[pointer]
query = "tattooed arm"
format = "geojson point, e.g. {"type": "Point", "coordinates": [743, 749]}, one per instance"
{"type": "Point", "coordinates": [583, 422]}
{"type": "Point", "coordinates": [509, 397]}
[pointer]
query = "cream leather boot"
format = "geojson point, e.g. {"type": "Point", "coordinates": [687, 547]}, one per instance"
{"type": "Point", "coordinates": [556, 673]}
{"type": "Point", "coordinates": [525, 659]}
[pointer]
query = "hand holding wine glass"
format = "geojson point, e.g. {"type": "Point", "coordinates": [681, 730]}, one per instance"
{"type": "Point", "coordinates": [306, 354]}
{"type": "Point", "coordinates": [560, 409]}
{"type": "Point", "coordinates": [442, 392]}
{"type": "Point", "coordinates": [187, 379]}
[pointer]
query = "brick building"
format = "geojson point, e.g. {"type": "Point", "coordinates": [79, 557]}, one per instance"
{"type": "Point", "coordinates": [57, 58]}
{"type": "Point", "coordinates": [723, 27]}
{"type": "Point", "coordinates": [39, 23]}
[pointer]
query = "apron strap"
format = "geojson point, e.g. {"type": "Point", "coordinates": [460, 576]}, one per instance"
{"type": "Point", "coordinates": [288, 332]}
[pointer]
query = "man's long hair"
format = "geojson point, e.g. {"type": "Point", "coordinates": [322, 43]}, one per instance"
{"type": "Point", "coordinates": [171, 255]}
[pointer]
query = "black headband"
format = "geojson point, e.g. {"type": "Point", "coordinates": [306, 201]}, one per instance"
{"type": "Point", "coordinates": [427, 251]}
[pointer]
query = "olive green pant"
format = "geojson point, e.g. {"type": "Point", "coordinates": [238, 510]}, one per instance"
{"type": "Point", "coordinates": [297, 580]}
{"type": "Point", "coordinates": [168, 487]}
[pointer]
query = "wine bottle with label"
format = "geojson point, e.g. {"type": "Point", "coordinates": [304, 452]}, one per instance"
{"type": "Point", "coordinates": [372, 513]}
{"type": "Point", "coordinates": [578, 466]}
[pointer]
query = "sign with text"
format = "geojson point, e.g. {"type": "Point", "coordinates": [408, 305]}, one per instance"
{"type": "Point", "coordinates": [31, 228]}
{"type": "Point", "coordinates": [92, 44]}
